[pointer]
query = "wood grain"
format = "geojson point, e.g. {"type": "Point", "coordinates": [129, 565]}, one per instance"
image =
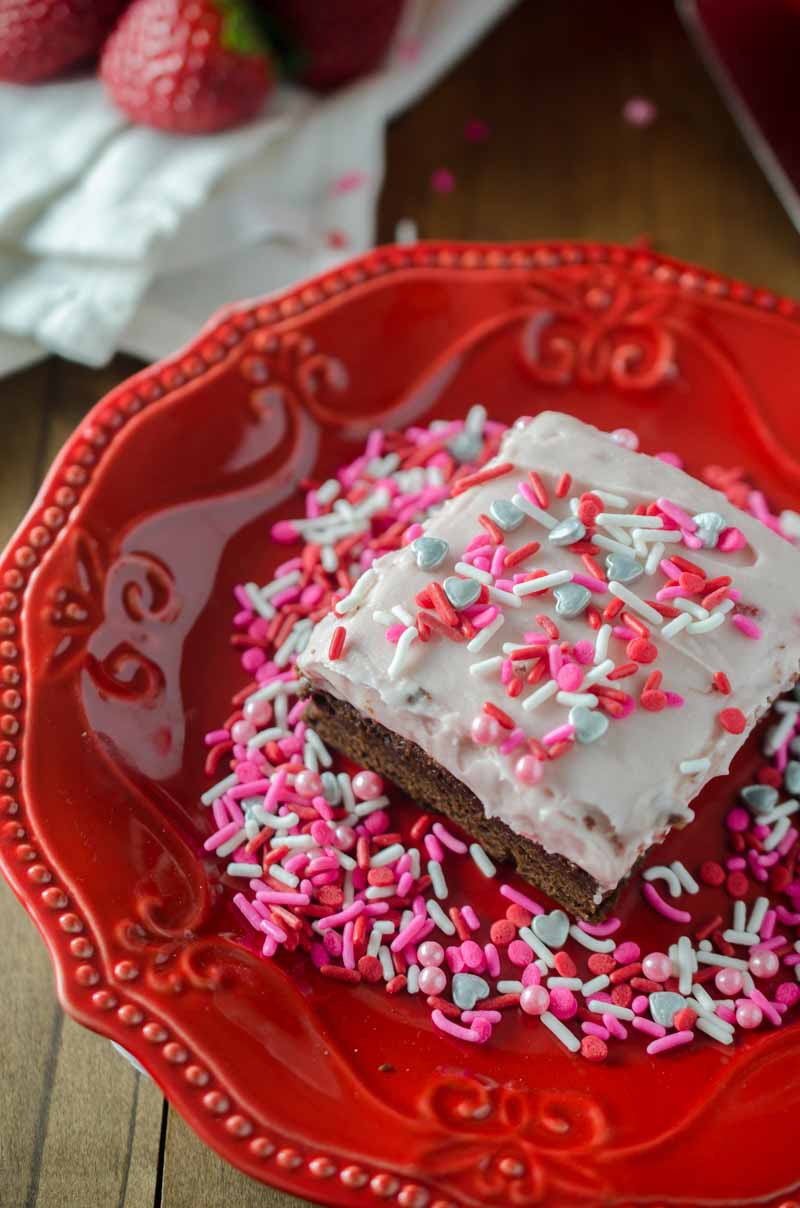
{"type": "Point", "coordinates": [77, 1125]}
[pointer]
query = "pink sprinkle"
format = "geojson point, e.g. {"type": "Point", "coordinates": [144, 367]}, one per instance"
{"type": "Point", "coordinates": [489, 1016]}
{"type": "Point", "coordinates": [664, 908]}
{"type": "Point", "coordinates": [454, 959]}
{"type": "Point", "coordinates": [252, 916]}
{"type": "Point", "coordinates": [766, 1006]}
{"type": "Point", "coordinates": [665, 1043]}
{"type": "Point", "coordinates": [277, 898]}
{"type": "Point", "coordinates": [591, 583]}
{"type": "Point", "coordinates": [404, 885]}
{"type": "Point", "coordinates": [768, 925]}
{"type": "Point", "coordinates": [627, 952]}
{"type": "Point", "coordinates": [498, 558]}
{"type": "Point", "coordinates": [214, 736]}
{"type": "Point", "coordinates": [583, 652]}
{"type": "Point", "coordinates": [506, 671]}
{"type": "Point", "coordinates": [443, 181]}
{"type": "Point", "coordinates": [640, 1004]}
{"type": "Point", "coordinates": [434, 848]}
{"type": "Point", "coordinates": [486, 617]}
{"type": "Point", "coordinates": [284, 532]}
{"type": "Point", "coordinates": [616, 1027]}
{"type": "Point", "coordinates": [521, 899]}
{"type": "Point", "coordinates": [482, 564]}
{"type": "Point", "coordinates": [639, 112]}
{"type": "Point", "coordinates": [221, 836]}
{"type": "Point", "coordinates": [681, 518]}
{"type": "Point", "coordinates": [669, 593]}
{"type": "Point", "coordinates": [478, 1033]}
{"type": "Point", "coordinates": [269, 947]}
{"type": "Point", "coordinates": [394, 633]}
{"type": "Point", "coordinates": [559, 734]}
{"type": "Point", "coordinates": [691, 540]}
{"type": "Point", "coordinates": [730, 540]}
{"type": "Point", "coordinates": [668, 567]}
{"type": "Point", "coordinates": [601, 930]}
{"type": "Point", "coordinates": [569, 677]}
{"type": "Point", "coordinates": [671, 459]}
{"type": "Point", "coordinates": [595, 1029]}
{"type": "Point", "coordinates": [515, 739]}
{"type": "Point", "coordinates": [344, 916]}
{"type": "Point", "coordinates": [787, 841]}
{"type": "Point", "coordinates": [555, 658]}
{"type": "Point", "coordinates": [746, 626]}
{"type": "Point", "coordinates": [476, 130]}
{"type": "Point", "coordinates": [623, 633]}
{"type": "Point", "coordinates": [674, 700]}
{"type": "Point", "coordinates": [348, 182]}
{"type": "Point", "coordinates": [649, 1026]}
{"type": "Point", "coordinates": [492, 960]}
{"type": "Point", "coordinates": [444, 835]}
{"type": "Point", "coordinates": [469, 916]}
{"type": "Point", "coordinates": [409, 934]}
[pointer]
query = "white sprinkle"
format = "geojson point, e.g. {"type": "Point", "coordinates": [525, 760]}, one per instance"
{"type": "Point", "coordinates": [760, 908]}
{"type": "Point", "coordinates": [310, 758]}
{"type": "Point", "coordinates": [319, 746]}
{"type": "Point", "coordinates": [540, 948]}
{"type": "Point", "coordinates": [504, 597]}
{"type": "Point", "coordinates": [601, 644]}
{"type": "Point", "coordinates": [610, 1008]}
{"type": "Point", "coordinates": [491, 664]}
{"type": "Point", "coordinates": [280, 874]}
{"type": "Point", "coordinates": [345, 861]}
{"type": "Point", "coordinates": [776, 834]}
{"type": "Point", "coordinates": [786, 706]}
{"type": "Point", "coordinates": [560, 1031]}
{"type": "Point", "coordinates": [703, 997]}
{"type": "Point", "coordinates": [599, 672]}
{"type": "Point", "coordinates": [739, 915]}
{"type": "Point", "coordinates": [412, 979]}
{"type": "Point", "coordinates": [328, 491]}
{"type": "Point", "coordinates": [590, 941]}
{"type": "Point", "coordinates": [238, 869]}
{"type": "Point", "coordinates": [564, 983]}
{"type": "Point", "coordinates": [654, 557]}
{"type": "Point", "coordinates": [710, 623]}
{"type": "Point", "coordinates": [217, 790]}
{"type": "Point", "coordinates": [684, 876]}
{"type": "Point", "coordinates": [746, 938]}
{"type": "Point", "coordinates": [595, 985]}
{"type": "Point", "coordinates": [346, 789]}
{"type": "Point", "coordinates": [263, 737]}
{"type": "Point", "coordinates": [260, 605]}
{"type": "Point", "coordinates": [381, 617]}
{"type": "Point", "coordinates": [329, 559]}
{"type": "Point", "coordinates": [574, 505]}
{"type": "Point", "coordinates": [635, 602]}
{"type": "Point", "coordinates": [482, 860]}
{"type": "Point", "coordinates": [726, 962]}
{"type": "Point", "coordinates": [713, 1028]}
{"type": "Point", "coordinates": [638, 543]}
{"type": "Point", "coordinates": [784, 811]}
{"type": "Point", "coordinates": [685, 964]}
{"type": "Point", "coordinates": [475, 419]}
{"type": "Point", "coordinates": [273, 690]}
{"type": "Point", "coordinates": [369, 807]}
{"type": "Point", "coordinates": [402, 614]}
{"type": "Point", "coordinates": [474, 572]}
{"type": "Point", "coordinates": [438, 883]}
{"type": "Point", "coordinates": [690, 766]}
{"type": "Point", "coordinates": [231, 844]}
{"type": "Point", "coordinates": [484, 635]}
{"type": "Point", "coordinates": [387, 855]}
{"type": "Point", "coordinates": [298, 842]}
{"type": "Point", "coordinates": [620, 535]}
{"type": "Point", "coordinates": [510, 987]}
{"type": "Point", "coordinates": [611, 500]}
{"type": "Point", "coordinates": [439, 917]}
{"type": "Point", "coordinates": [385, 957]}
{"type": "Point", "coordinates": [585, 699]}
{"type": "Point", "coordinates": [413, 854]}
{"type": "Point", "coordinates": [629, 520]}
{"type": "Point", "coordinates": [543, 583]}
{"type": "Point", "coordinates": [530, 509]}
{"type": "Point", "coordinates": [358, 592]}
{"type": "Point", "coordinates": [401, 650]}
{"type": "Point", "coordinates": [674, 627]}
{"type": "Point", "coordinates": [696, 610]}
{"type": "Point", "coordinates": [375, 940]}
{"type": "Point", "coordinates": [660, 872]}
{"type": "Point", "coordinates": [376, 892]}
{"type": "Point", "coordinates": [540, 695]}
{"type": "Point", "coordinates": [724, 607]}
{"type": "Point", "coordinates": [614, 547]}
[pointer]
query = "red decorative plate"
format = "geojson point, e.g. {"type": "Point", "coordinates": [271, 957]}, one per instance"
{"type": "Point", "coordinates": [114, 613]}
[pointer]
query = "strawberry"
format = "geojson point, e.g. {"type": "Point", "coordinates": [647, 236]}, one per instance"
{"type": "Point", "coordinates": [187, 66]}
{"type": "Point", "coordinates": [332, 41]}
{"type": "Point", "coordinates": [37, 41]}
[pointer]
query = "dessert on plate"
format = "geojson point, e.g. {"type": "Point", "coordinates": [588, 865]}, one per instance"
{"type": "Point", "coordinates": [563, 655]}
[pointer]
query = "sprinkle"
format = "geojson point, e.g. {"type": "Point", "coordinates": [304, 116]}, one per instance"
{"type": "Point", "coordinates": [629, 520]}
{"type": "Point", "coordinates": [527, 506]}
{"type": "Point", "coordinates": [746, 626]}
{"type": "Point", "coordinates": [483, 637]}
{"type": "Point", "coordinates": [661, 872]}
{"type": "Point", "coordinates": [673, 1041]}
{"type": "Point", "coordinates": [633, 601]}
{"type": "Point", "coordinates": [443, 181]}
{"type": "Point", "coordinates": [690, 766]}
{"type": "Point", "coordinates": [483, 476]}
{"type": "Point", "coordinates": [238, 869]}
{"type": "Point", "coordinates": [540, 695]}
{"type": "Point", "coordinates": [560, 1031]}
{"type": "Point", "coordinates": [531, 586]}
{"type": "Point", "coordinates": [587, 940]}
{"type": "Point", "coordinates": [657, 902]}
{"type": "Point", "coordinates": [541, 949]}
{"type": "Point", "coordinates": [639, 112]}
{"type": "Point", "coordinates": [726, 962]}
{"type": "Point", "coordinates": [685, 877]}
{"type": "Point", "coordinates": [438, 882]}
{"type": "Point", "coordinates": [482, 860]}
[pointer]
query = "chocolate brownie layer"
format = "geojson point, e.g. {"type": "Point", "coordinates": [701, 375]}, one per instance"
{"type": "Point", "coordinates": [367, 742]}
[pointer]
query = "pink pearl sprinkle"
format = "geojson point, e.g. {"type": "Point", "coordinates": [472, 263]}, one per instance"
{"type": "Point", "coordinates": [430, 953]}
{"type": "Point", "coordinates": [443, 181]}
{"type": "Point", "coordinates": [626, 438]}
{"type": "Point", "coordinates": [534, 1000]}
{"type": "Point", "coordinates": [657, 966]}
{"type": "Point", "coordinates": [763, 963]}
{"type": "Point", "coordinates": [367, 785]}
{"type": "Point", "coordinates": [307, 784]}
{"type": "Point", "coordinates": [671, 459]}
{"type": "Point", "coordinates": [432, 980]}
{"type": "Point", "coordinates": [728, 982]}
{"type": "Point", "coordinates": [528, 769]}
{"type": "Point", "coordinates": [484, 730]}
{"type": "Point", "coordinates": [748, 1015]}
{"type": "Point", "coordinates": [639, 112]}
{"type": "Point", "coordinates": [569, 677]}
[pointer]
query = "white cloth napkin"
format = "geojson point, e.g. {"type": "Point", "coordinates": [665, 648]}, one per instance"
{"type": "Point", "coordinates": [119, 237]}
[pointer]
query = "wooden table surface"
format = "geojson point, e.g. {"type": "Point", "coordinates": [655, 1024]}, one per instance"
{"type": "Point", "coordinates": [78, 1126]}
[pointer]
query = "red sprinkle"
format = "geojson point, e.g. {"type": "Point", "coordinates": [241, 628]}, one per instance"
{"type": "Point", "coordinates": [396, 984]}
{"type": "Point", "coordinates": [684, 1019]}
{"type": "Point", "coordinates": [715, 597]}
{"type": "Point", "coordinates": [594, 1048]}
{"type": "Point", "coordinates": [721, 682]}
{"type": "Point", "coordinates": [518, 915]}
{"type": "Point", "coordinates": [502, 932]}
{"type": "Point", "coordinates": [601, 962]}
{"type": "Point", "coordinates": [711, 873]}
{"type": "Point", "coordinates": [339, 973]}
{"type": "Point", "coordinates": [539, 489]}
{"type": "Point", "coordinates": [462, 930]}
{"type": "Point", "coordinates": [563, 485]}
{"type": "Point", "coordinates": [654, 701]}
{"type": "Point", "coordinates": [653, 681]}
{"type": "Point", "coordinates": [444, 609]}
{"type": "Point", "coordinates": [476, 480]}
{"type": "Point", "coordinates": [524, 551]}
{"type": "Point", "coordinates": [421, 827]}
{"type": "Point", "coordinates": [548, 625]}
{"type": "Point", "coordinates": [441, 1004]}
{"type": "Point", "coordinates": [641, 651]}
{"type": "Point", "coordinates": [638, 626]}
{"type": "Point", "coordinates": [337, 643]}
{"type": "Point", "coordinates": [613, 609]}
{"type": "Point", "coordinates": [685, 564]}
{"type": "Point", "coordinates": [514, 687]}
{"type": "Point", "coordinates": [737, 884]}
{"type": "Point", "coordinates": [691, 583]}
{"type": "Point", "coordinates": [623, 671]}
{"type": "Point", "coordinates": [565, 965]}
{"type": "Point", "coordinates": [492, 529]}
{"type": "Point", "coordinates": [499, 716]}
{"type": "Point", "coordinates": [593, 618]}
{"type": "Point", "coordinates": [370, 968]}
{"type": "Point", "coordinates": [621, 994]}
{"type": "Point", "coordinates": [626, 972]}
{"type": "Point", "coordinates": [733, 720]}
{"type": "Point", "coordinates": [501, 1002]}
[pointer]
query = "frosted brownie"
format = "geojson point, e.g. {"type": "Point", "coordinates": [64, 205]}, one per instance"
{"type": "Point", "coordinates": [563, 655]}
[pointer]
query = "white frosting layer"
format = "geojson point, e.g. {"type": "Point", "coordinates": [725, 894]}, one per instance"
{"type": "Point", "coordinates": [603, 804]}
